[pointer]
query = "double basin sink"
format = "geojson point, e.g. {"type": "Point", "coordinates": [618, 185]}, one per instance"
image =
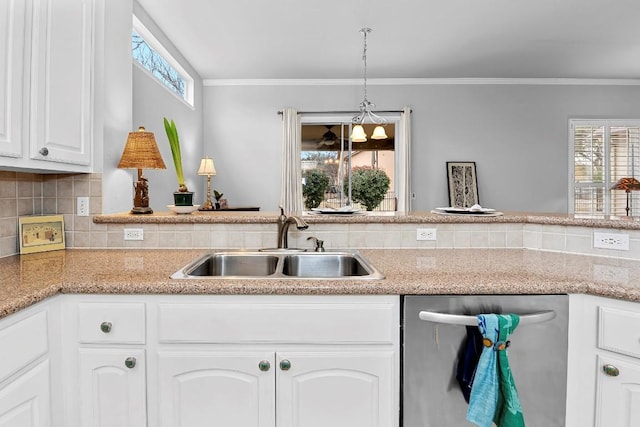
{"type": "Point", "coordinates": [280, 264]}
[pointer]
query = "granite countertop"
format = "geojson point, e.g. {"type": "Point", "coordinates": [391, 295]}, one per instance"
{"type": "Point", "coordinates": [198, 217]}
{"type": "Point", "coordinates": [27, 279]}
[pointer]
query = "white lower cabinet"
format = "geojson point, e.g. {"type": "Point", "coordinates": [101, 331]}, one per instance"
{"type": "Point", "coordinates": [603, 387]}
{"type": "Point", "coordinates": [216, 389]}
{"type": "Point", "coordinates": [25, 402]}
{"type": "Point", "coordinates": [25, 369]}
{"type": "Point", "coordinates": [285, 389]}
{"type": "Point", "coordinates": [338, 389]}
{"type": "Point", "coordinates": [112, 387]}
{"type": "Point", "coordinates": [618, 399]}
{"type": "Point", "coordinates": [237, 361]}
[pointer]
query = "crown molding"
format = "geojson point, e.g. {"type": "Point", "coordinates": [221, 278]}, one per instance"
{"type": "Point", "coordinates": [424, 82]}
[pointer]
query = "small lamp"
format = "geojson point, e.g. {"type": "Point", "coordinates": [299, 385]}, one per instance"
{"type": "Point", "coordinates": [207, 168]}
{"type": "Point", "coordinates": [141, 152]}
{"type": "Point", "coordinates": [627, 184]}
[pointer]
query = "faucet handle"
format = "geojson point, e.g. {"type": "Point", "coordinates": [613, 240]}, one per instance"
{"type": "Point", "coordinates": [318, 244]}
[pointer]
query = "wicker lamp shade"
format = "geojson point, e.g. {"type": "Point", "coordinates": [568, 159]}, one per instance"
{"type": "Point", "coordinates": [141, 152]}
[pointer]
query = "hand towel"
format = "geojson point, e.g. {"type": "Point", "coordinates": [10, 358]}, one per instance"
{"type": "Point", "coordinates": [494, 397]}
{"type": "Point", "coordinates": [485, 390]}
{"type": "Point", "coordinates": [468, 358]}
{"type": "Point", "coordinates": [508, 411]}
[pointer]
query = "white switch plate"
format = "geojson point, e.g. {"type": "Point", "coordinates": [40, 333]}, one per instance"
{"type": "Point", "coordinates": [617, 241]}
{"type": "Point", "coordinates": [82, 206]}
{"type": "Point", "coordinates": [133, 234]}
{"type": "Point", "coordinates": [426, 234]}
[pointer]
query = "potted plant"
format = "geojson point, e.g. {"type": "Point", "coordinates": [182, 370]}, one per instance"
{"type": "Point", "coordinates": [218, 197]}
{"type": "Point", "coordinates": [316, 183]}
{"type": "Point", "coordinates": [182, 197]}
{"type": "Point", "coordinates": [368, 186]}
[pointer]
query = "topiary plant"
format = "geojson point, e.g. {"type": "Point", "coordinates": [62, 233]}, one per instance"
{"type": "Point", "coordinates": [368, 186]}
{"type": "Point", "coordinates": [316, 183]}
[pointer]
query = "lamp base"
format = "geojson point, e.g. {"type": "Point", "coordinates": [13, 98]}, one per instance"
{"type": "Point", "coordinates": [141, 210]}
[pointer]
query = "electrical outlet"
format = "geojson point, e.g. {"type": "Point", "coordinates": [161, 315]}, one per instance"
{"type": "Point", "coordinates": [426, 234]}
{"type": "Point", "coordinates": [82, 206]}
{"type": "Point", "coordinates": [133, 234]}
{"type": "Point", "coordinates": [617, 241]}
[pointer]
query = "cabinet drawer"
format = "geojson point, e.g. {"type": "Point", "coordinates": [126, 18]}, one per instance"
{"type": "Point", "coordinates": [284, 323]}
{"type": "Point", "coordinates": [22, 343]}
{"type": "Point", "coordinates": [122, 323]}
{"type": "Point", "coordinates": [619, 331]}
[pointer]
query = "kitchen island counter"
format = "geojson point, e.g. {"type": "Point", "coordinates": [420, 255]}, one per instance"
{"type": "Point", "coordinates": [27, 279]}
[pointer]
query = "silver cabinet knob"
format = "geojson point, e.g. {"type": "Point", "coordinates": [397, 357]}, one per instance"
{"type": "Point", "coordinates": [264, 365]}
{"type": "Point", "coordinates": [285, 365]}
{"type": "Point", "coordinates": [105, 327]}
{"type": "Point", "coordinates": [44, 151]}
{"type": "Point", "coordinates": [611, 370]}
{"type": "Point", "coordinates": [130, 362]}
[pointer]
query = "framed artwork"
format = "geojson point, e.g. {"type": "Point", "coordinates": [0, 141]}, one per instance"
{"type": "Point", "coordinates": [463, 184]}
{"type": "Point", "coordinates": [41, 233]}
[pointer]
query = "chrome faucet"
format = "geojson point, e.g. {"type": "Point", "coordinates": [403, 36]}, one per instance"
{"type": "Point", "coordinates": [283, 227]}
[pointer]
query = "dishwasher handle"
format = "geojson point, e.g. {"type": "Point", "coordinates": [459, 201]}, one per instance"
{"type": "Point", "coordinates": [460, 319]}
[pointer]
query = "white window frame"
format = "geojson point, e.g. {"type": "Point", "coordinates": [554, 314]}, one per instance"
{"type": "Point", "coordinates": [153, 42]}
{"type": "Point", "coordinates": [400, 179]}
{"type": "Point", "coordinates": [607, 124]}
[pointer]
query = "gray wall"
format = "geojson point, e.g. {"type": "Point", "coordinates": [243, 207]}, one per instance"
{"type": "Point", "coordinates": [146, 104]}
{"type": "Point", "coordinates": [516, 134]}
{"type": "Point", "coordinates": [151, 103]}
{"type": "Point", "coordinates": [116, 184]}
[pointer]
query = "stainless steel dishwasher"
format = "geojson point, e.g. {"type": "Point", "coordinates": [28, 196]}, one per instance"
{"type": "Point", "coordinates": [431, 396]}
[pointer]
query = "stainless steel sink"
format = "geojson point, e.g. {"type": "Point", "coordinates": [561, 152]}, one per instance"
{"type": "Point", "coordinates": [280, 264]}
{"type": "Point", "coordinates": [324, 264]}
{"type": "Point", "coordinates": [226, 264]}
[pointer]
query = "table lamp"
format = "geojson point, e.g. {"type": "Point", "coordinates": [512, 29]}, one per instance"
{"type": "Point", "coordinates": [627, 184]}
{"type": "Point", "coordinates": [141, 152]}
{"type": "Point", "coordinates": [208, 169]}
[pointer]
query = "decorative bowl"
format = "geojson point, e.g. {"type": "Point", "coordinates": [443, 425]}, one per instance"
{"type": "Point", "coordinates": [183, 209]}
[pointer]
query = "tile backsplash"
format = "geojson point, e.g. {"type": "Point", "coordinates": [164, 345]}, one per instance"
{"type": "Point", "coordinates": [35, 194]}
{"type": "Point", "coordinates": [43, 194]}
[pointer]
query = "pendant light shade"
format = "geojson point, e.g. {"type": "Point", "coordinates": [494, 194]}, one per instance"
{"type": "Point", "coordinates": [379, 133]}
{"type": "Point", "coordinates": [358, 134]}
{"type": "Point", "coordinates": [366, 107]}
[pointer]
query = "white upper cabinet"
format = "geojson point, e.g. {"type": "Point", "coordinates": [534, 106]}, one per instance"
{"type": "Point", "coordinates": [12, 43]}
{"type": "Point", "coordinates": [59, 50]}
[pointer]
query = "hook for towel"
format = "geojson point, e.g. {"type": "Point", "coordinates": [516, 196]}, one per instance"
{"type": "Point", "coordinates": [459, 319]}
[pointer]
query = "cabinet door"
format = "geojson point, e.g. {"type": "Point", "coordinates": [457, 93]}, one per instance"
{"type": "Point", "coordinates": [12, 42]}
{"type": "Point", "coordinates": [62, 74]}
{"type": "Point", "coordinates": [198, 389]}
{"type": "Point", "coordinates": [618, 397]}
{"type": "Point", "coordinates": [338, 389]}
{"type": "Point", "coordinates": [112, 387]}
{"type": "Point", "coordinates": [25, 402]}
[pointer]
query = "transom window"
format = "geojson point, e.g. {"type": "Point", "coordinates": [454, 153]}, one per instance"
{"type": "Point", "coordinates": [603, 151]}
{"type": "Point", "coordinates": [153, 57]}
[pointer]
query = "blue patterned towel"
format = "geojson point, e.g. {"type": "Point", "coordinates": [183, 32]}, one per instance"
{"type": "Point", "coordinates": [484, 393]}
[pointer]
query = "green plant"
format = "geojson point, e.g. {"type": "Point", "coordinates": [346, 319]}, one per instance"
{"type": "Point", "coordinates": [217, 195]}
{"type": "Point", "coordinates": [368, 186]}
{"type": "Point", "coordinates": [316, 183]}
{"type": "Point", "coordinates": [174, 143]}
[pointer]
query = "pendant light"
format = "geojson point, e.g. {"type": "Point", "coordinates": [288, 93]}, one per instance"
{"type": "Point", "coordinates": [366, 107]}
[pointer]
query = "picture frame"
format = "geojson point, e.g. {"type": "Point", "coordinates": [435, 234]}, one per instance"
{"type": "Point", "coordinates": [41, 233]}
{"type": "Point", "coordinates": [463, 184]}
